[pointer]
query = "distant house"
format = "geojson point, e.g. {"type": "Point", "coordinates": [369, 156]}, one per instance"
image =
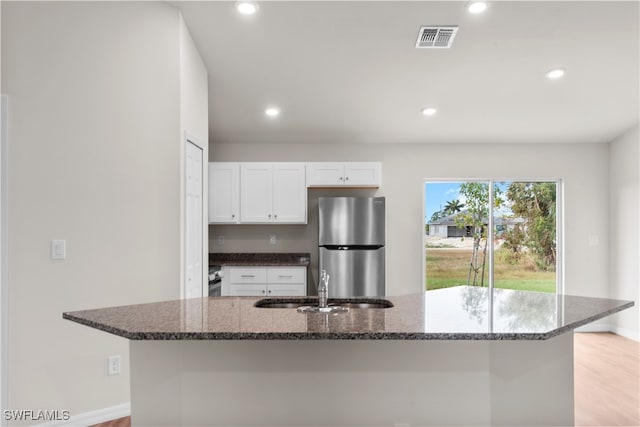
{"type": "Point", "coordinates": [446, 226]}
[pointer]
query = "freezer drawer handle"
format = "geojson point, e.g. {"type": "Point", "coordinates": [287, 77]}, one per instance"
{"type": "Point", "coordinates": [247, 275]}
{"type": "Point", "coordinates": [285, 275]}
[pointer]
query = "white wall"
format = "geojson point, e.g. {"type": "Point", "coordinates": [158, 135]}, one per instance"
{"type": "Point", "coordinates": [194, 121]}
{"type": "Point", "coordinates": [94, 155]}
{"type": "Point", "coordinates": [582, 167]}
{"type": "Point", "coordinates": [624, 193]}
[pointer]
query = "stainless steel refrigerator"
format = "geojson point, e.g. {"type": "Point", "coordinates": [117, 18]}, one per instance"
{"type": "Point", "coordinates": [351, 245]}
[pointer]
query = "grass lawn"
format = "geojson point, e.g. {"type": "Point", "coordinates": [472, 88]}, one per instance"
{"type": "Point", "coordinates": [450, 267]}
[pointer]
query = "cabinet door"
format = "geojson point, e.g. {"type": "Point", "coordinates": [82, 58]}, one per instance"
{"type": "Point", "coordinates": [289, 193]}
{"type": "Point", "coordinates": [255, 192]}
{"type": "Point", "coordinates": [248, 290]}
{"type": "Point", "coordinates": [363, 174]}
{"type": "Point", "coordinates": [325, 174]}
{"type": "Point", "coordinates": [224, 193]}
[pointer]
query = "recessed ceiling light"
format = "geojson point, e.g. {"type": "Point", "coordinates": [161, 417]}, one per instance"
{"type": "Point", "coordinates": [246, 7]}
{"type": "Point", "coordinates": [556, 73]}
{"type": "Point", "coordinates": [272, 112]}
{"type": "Point", "coordinates": [429, 111]}
{"type": "Point", "coordinates": [477, 7]}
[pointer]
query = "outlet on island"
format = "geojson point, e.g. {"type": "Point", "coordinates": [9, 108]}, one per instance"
{"type": "Point", "coordinates": [114, 365]}
{"type": "Point", "coordinates": [273, 239]}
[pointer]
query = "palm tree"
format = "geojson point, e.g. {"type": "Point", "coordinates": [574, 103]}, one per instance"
{"type": "Point", "coordinates": [453, 206]}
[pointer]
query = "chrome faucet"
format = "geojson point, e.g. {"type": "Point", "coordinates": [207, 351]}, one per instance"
{"type": "Point", "coordinates": [323, 289]}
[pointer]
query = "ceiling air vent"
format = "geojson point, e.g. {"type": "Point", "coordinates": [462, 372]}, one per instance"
{"type": "Point", "coordinates": [433, 37]}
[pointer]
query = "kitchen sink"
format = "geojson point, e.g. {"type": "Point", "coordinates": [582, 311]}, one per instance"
{"type": "Point", "coordinates": [381, 303]}
{"type": "Point", "coordinates": [275, 304]}
{"type": "Point", "coordinates": [351, 303]}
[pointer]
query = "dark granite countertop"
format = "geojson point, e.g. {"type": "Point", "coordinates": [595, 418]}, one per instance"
{"type": "Point", "coordinates": [300, 259]}
{"type": "Point", "coordinates": [460, 313]}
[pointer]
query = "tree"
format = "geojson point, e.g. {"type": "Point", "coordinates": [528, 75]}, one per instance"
{"type": "Point", "coordinates": [436, 216]}
{"type": "Point", "coordinates": [452, 207]}
{"type": "Point", "coordinates": [535, 202]}
{"type": "Point", "coordinates": [475, 217]}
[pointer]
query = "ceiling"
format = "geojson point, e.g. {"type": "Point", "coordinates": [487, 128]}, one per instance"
{"type": "Point", "coordinates": [348, 72]}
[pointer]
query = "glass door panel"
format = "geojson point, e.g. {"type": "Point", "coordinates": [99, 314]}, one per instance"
{"type": "Point", "coordinates": [455, 234]}
{"type": "Point", "coordinates": [525, 236]}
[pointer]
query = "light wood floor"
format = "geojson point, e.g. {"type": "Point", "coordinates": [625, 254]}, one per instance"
{"type": "Point", "coordinates": [607, 380]}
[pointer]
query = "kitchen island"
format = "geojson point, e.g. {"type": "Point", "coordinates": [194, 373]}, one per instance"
{"type": "Point", "coordinates": [457, 356]}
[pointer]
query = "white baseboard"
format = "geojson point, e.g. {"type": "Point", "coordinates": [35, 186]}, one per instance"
{"type": "Point", "coordinates": [627, 333]}
{"type": "Point", "coordinates": [595, 327]}
{"type": "Point", "coordinates": [604, 327]}
{"type": "Point", "coordinates": [94, 417]}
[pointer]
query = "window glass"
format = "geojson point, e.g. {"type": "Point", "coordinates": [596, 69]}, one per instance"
{"type": "Point", "coordinates": [458, 243]}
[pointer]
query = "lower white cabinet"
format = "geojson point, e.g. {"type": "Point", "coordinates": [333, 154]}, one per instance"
{"type": "Point", "coordinates": [264, 281]}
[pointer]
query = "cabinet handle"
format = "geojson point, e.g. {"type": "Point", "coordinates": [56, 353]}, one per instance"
{"type": "Point", "coordinates": [341, 178]}
{"type": "Point", "coordinates": [263, 291]}
{"type": "Point", "coordinates": [284, 275]}
{"type": "Point", "coordinates": [269, 291]}
{"type": "Point", "coordinates": [346, 179]}
{"type": "Point", "coordinates": [275, 216]}
{"type": "Point", "coordinates": [233, 215]}
{"type": "Point", "coordinates": [269, 216]}
{"type": "Point", "coordinates": [247, 275]}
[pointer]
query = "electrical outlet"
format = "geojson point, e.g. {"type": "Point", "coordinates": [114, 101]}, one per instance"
{"type": "Point", "coordinates": [58, 249]}
{"type": "Point", "coordinates": [220, 240]}
{"type": "Point", "coordinates": [114, 365]}
{"type": "Point", "coordinates": [273, 239]}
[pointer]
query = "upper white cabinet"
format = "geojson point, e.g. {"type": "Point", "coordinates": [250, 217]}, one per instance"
{"type": "Point", "coordinates": [357, 174]}
{"type": "Point", "coordinates": [224, 193]}
{"type": "Point", "coordinates": [273, 193]}
{"type": "Point", "coordinates": [289, 193]}
{"type": "Point", "coordinates": [276, 193]}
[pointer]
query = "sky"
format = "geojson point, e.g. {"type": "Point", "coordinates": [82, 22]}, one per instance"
{"type": "Point", "coordinates": [437, 194]}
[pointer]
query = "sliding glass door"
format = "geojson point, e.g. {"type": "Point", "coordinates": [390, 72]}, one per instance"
{"type": "Point", "coordinates": [498, 233]}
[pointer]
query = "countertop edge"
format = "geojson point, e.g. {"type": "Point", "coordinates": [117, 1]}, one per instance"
{"type": "Point", "coordinates": [99, 326]}
{"type": "Point", "coordinates": [344, 336]}
{"type": "Point", "coordinates": [260, 259]}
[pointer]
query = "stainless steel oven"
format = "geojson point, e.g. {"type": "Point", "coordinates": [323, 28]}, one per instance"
{"type": "Point", "coordinates": [215, 280]}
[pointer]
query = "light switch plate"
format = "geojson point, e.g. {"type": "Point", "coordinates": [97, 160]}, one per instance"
{"type": "Point", "coordinates": [58, 249]}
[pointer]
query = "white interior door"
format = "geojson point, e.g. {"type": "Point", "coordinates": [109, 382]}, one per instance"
{"type": "Point", "coordinates": [194, 221]}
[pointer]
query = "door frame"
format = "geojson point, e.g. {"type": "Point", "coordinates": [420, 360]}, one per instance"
{"type": "Point", "coordinates": [191, 139]}
{"type": "Point", "coordinates": [560, 278]}
{"type": "Point", "coordinates": [4, 105]}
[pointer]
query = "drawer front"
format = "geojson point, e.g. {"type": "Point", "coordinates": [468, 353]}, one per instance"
{"type": "Point", "coordinates": [247, 275]}
{"type": "Point", "coordinates": [247, 290]}
{"type": "Point", "coordinates": [284, 275]}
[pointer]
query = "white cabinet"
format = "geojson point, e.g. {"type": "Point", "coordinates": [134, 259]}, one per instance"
{"type": "Point", "coordinates": [256, 198]}
{"type": "Point", "coordinates": [224, 193]}
{"type": "Point", "coordinates": [264, 281]}
{"type": "Point", "coordinates": [273, 193]}
{"type": "Point", "coordinates": [257, 193]}
{"type": "Point", "coordinates": [355, 174]}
